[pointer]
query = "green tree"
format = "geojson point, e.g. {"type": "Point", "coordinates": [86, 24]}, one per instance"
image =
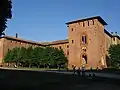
{"type": "Point", "coordinates": [5, 13]}
{"type": "Point", "coordinates": [8, 57]}
{"type": "Point", "coordinates": [16, 55]}
{"type": "Point", "coordinates": [114, 54]}
{"type": "Point", "coordinates": [38, 56]}
{"type": "Point", "coordinates": [22, 56]}
{"type": "Point", "coordinates": [62, 59]}
{"type": "Point", "coordinates": [49, 53]}
{"type": "Point", "coordinates": [29, 56]}
{"type": "Point", "coordinates": [54, 56]}
{"type": "Point", "coordinates": [45, 56]}
{"type": "Point", "coordinates": [12, 56]}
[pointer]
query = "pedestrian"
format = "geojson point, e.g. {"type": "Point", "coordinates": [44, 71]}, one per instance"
{"type": "Point", "coordinates": [78, 71]}
{"type": "Point", "coordinates": [15, 66]}
{"type": "Point", "coordinates": [91, 69]}
{"type": "Point", "coordinates": [83, 71]}
{"type": "Point", "coordinates": [97, 68]}
{"type": "Point", "coordinates": [74, 69]}
{"type": "Point", "coordinates": [58, 67]}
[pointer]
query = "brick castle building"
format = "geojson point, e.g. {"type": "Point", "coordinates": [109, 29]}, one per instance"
{"type": "Point", "coordinates": [87, 44]}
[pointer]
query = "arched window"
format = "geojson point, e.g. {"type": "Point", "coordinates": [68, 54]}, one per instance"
{"type": "Point", "coordinates": [84, 39]}
{"type": "Point", "coordinates": [84, 59]}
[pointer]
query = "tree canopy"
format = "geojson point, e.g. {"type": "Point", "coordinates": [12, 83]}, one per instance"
{"type": "Point", "coordinates": [38, 56]}
{"type": "Point", "coordinates": [5, 13]}
{"type": "Point", "coordinates": [114, 54]}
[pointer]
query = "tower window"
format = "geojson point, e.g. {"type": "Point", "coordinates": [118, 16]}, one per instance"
{"type": "Point", "coordinates": [88, 23]}
{"type": "Point", "coordinates": [72, 29]}
{"type": "Point", "coordinates": [84, 39]}
{"type": "Point", "coordinates": [93, 22]}
{"type": "Point", "coordinates": [83, 24]}
{"type": "Point", "coordinates": [72, 41]}
{"type": "Point", "coordinates": [67, 46]}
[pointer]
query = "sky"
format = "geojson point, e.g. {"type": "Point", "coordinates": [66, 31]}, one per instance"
{"type": "Point", "coordinates": [44, 20]}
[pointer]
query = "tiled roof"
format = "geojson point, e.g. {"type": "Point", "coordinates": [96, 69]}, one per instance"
{"type": "Point", "coordinates": [22, 40]}
{"type": "Point", "coordinates": [60, 41]}
{"type": "Point", "coordinates": [34, 42]}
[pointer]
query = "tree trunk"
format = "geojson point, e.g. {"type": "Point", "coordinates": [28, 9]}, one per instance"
{"type": "Point", "coordinates": [38, 66]}
{"type": "Point", "coordinates": [22, 65]}
{"type": "Point", "coordinates": [29, 65]}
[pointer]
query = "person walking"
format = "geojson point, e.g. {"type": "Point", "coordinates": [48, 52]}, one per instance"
{"type": "Point", "coordinates": [78, 71]}
{"type": "Point", "coordinates": [74, 69]}
{"type": "Point", "coordinates": [83, 71]}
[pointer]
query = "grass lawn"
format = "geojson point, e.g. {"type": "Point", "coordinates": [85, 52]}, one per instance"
{"type": "Point", "coordinates": [31, 80]}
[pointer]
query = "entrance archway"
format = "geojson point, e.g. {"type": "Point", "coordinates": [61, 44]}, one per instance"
{"type": "Point", "coordinates": [84, 59]}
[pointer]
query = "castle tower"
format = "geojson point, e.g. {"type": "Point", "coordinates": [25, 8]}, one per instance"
{"type": "Point", "coordinates": [87, 42]}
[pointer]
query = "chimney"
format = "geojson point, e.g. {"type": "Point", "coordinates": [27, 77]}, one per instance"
{"type": "Point", "coordinates": [16, 35]}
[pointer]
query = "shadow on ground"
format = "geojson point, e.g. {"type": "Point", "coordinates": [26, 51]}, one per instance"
{"type": "Point", "coordinates": [31, 80]}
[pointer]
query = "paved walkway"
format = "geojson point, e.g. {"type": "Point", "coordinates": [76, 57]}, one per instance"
{"type": "Point", "coordinates": [108, 75]}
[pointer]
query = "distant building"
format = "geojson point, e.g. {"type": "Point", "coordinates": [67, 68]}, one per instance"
{"type": "Point", "coordinates": [87, 44]}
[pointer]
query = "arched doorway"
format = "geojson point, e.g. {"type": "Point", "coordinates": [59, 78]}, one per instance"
{"type": "Point", "coordinates": [84, 59]}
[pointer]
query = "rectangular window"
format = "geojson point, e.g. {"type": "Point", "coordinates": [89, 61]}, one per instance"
{"type": "Point", "coordinates": [84, 39]}
{"type": "Point", "coordinates": [93, 22]}
{"type": "Point", "coordinates": [72, 29]}
{"type": "Point", "coordinates": [83, 24]}
{"type": "Point", "coordinates": [88, 23]}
